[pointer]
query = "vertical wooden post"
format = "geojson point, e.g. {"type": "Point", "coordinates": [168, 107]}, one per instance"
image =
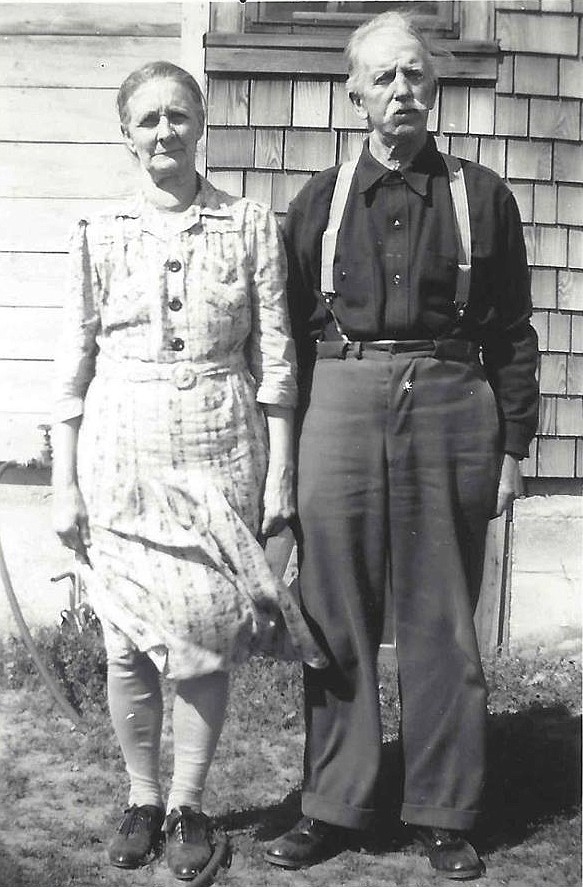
{"type": "Point", "coordinates": [493, 607]}
{"type": "Point", "coordinates": [195, 23]}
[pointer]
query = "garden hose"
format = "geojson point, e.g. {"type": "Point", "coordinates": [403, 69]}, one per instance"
{"type": "Point", "coordinates": [49, 680]}
{"type": "Point", "coordinates": [221, 858]}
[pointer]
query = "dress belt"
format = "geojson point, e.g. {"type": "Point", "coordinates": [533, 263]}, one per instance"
{"type": "Point", "coordinates": [444, 349]}
{"type": "Point", "coordinates": [182, 374]}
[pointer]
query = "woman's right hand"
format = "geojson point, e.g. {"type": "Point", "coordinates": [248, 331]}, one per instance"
{"type": "Point", "coordinates": [70, 520]}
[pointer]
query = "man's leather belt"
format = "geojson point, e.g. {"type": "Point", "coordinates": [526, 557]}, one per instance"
{"type": "Point", "coordinates": [443, 349]}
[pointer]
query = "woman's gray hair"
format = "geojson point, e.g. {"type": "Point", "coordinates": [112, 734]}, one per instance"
{"type": "Point", "coordinates": [156, 71]}
{"type": "Point", "coordinates": [388, 22]}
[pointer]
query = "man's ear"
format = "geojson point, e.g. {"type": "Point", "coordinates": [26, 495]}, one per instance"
{"type": "Point", "coordinates": [358, 105]}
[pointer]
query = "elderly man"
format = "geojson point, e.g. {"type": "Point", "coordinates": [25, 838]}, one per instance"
{"type": "Point", "coordinates": [420, 400]}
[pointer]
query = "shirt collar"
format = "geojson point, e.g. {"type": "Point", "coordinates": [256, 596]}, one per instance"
{"type": "Point", "coordinates": [426, 163]}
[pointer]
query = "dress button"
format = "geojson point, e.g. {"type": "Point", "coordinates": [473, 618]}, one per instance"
{"type": "Point", "coordinates": [397, 279]}
{"type": "Point", "coordinates": [173, 265]}
{"type": "Point", "coordinates": [343, 275]}
{"type": "Point", "coordinates": [177, 344]}
{"type": "Point", "coordinates": [396, 223]}
{"type": "Point", "coordinates": [175, 305]}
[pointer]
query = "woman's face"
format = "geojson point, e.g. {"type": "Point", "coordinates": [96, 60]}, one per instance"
{"type": "Point", "coordinates": [164, 123]}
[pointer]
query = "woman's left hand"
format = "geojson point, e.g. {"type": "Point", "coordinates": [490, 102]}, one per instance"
{"type": "Point", "coordinates": [278, 500]}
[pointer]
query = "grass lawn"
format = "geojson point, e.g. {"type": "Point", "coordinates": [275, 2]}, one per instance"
{"type": "Point", "coordinates": [62, 791]}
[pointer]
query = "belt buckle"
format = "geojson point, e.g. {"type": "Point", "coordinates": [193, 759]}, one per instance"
{"type": "Point", "coordinates": [184, 376]}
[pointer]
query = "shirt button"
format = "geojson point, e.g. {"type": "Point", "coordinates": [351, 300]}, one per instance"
{"type": "Point", "coordinates": [397, 279]}
{"type": "Point", "coordinates": [177, 344]}
{"type": "Point", "coordinates": [396, 224]}
{"type": "Point", "coordinates": [343, 275]}
{"type": "Point", "coordinates": [175, 305]}
{"type": "Point", "coordinates": [173, 265]}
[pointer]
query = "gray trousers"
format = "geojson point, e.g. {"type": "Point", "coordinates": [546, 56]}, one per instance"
{"type": "Point", "coordinates": [398, 470]}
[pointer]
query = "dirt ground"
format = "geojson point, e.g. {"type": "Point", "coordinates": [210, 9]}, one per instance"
{"type": "Point", "coordinates": [46, 787]}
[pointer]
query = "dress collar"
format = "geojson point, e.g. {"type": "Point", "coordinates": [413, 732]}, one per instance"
{"type": "Point", "coordinates": [209, 201]}
{"type": "Point", "coordinates": [426, 163]}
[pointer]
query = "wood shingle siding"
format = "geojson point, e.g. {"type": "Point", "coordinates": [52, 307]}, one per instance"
{"type": "Point", "coordinates": [575, 248]}
{"type": "Point", "coordinates": [555, 119]}
{"type": "Point", "coordinates": [536, 33]}
{"type": "Point", "coordinates": [536, 75]}
{"type": "Point", "coordinates": [311, 103]}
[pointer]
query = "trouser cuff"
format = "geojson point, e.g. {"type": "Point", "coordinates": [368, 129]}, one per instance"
{"type": "Point", "coordinates": [439, 817]}
{"type": "Point", "coordinates": [316, 807]}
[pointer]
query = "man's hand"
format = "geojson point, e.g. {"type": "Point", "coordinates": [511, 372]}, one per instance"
{"type": "Point", "coordinates": [70, 520]}
{"type": "Point", "coordinates": [510, 486]}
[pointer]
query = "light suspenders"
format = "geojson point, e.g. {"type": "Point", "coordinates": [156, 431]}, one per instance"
{"type": "Point", "coordinates": [459, 196]}
{"type": "Point", "coordinates": [461, 211]}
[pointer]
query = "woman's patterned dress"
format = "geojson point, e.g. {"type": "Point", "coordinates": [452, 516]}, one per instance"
{"type": "Point", "coordinates": [176, 332]}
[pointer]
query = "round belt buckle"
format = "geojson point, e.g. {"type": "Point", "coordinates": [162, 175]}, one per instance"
{"type": "Point", "coordinates": [184, 376]}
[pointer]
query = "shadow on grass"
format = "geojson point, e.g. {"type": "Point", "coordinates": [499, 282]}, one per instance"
{"type": "Point", "coordinates": [10, 874]}
{"type": "Point", "coordinates": [534, 775]}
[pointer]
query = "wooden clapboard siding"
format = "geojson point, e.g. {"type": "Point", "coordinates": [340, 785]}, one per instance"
{"type": "Point", "coordinates": [32, 279]}
{"type": "Point", "coordinates": [43, 225]}
{"type": "Point", "coordinates": [61, 158]}
{"type": "Point", "coordinates": [55, 114]}
{"type": "Point", "coordinates": [133, 19]}
{"type": "Point", "coordinates": [29, 333]}
{"type": "Point", "coordinates": [79, 61]}
{"type": "Point", "coordinates": [59, 170]}
{"type": "Point", "coordinates": [24, 385]}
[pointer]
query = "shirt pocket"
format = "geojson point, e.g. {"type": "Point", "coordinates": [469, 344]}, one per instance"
{"type": "Point", "coordinates": [437, 281]}
{"type": "Point", "coordinates": [125, 302]}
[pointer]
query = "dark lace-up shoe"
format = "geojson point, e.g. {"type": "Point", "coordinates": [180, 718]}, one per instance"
{"type": "Point", "coordinates": [188, 847]}
{"type": "Point", "coordinates": [310, 841]}
{"type": "Point", "coordinates": [450, 854]}
{"type": "Point", "coordinates": [138, 837]}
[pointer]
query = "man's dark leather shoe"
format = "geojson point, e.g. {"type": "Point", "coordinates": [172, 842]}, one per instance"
{"type": "Point", "coordinates": [188, 848]}
{"type": "Point", "coordinates": [310, 841]}
{"type": "Point", "coordinates": [138, 837]}
{"type": "Point", "coordinates": [450, 854]}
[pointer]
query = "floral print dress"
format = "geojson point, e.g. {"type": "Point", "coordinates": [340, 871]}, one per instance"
{"type": "Point", "coordinates": [176, 332]}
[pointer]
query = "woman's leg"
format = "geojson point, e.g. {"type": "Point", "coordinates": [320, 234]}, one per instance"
{"type": "Point", "coordinates": [199, 713]}
{"type": "Point", "coordinates": [135, 704]}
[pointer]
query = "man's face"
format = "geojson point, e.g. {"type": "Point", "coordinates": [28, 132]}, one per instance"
{"type": "Point", "coordinates": [396, 86]}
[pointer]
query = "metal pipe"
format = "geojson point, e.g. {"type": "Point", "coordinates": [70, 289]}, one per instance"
{"type": "Point", "coordinates": [49, 680]}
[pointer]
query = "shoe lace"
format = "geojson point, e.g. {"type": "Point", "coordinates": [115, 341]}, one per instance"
{"type": "Point", "coordinates": [133, 820]}
{"type": "Point", "coordinates": [187, 826]}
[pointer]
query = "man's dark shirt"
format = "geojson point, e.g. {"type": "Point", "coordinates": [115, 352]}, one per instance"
{"type": "Point", "coordinates": [396, 266]}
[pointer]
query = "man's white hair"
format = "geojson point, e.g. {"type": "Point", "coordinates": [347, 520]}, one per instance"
{"type": "Point", "coordinates": [394, 25]}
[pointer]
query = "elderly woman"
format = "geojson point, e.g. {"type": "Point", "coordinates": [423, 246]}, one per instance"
{"type": "Point", "coordinates": [173, 454]}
